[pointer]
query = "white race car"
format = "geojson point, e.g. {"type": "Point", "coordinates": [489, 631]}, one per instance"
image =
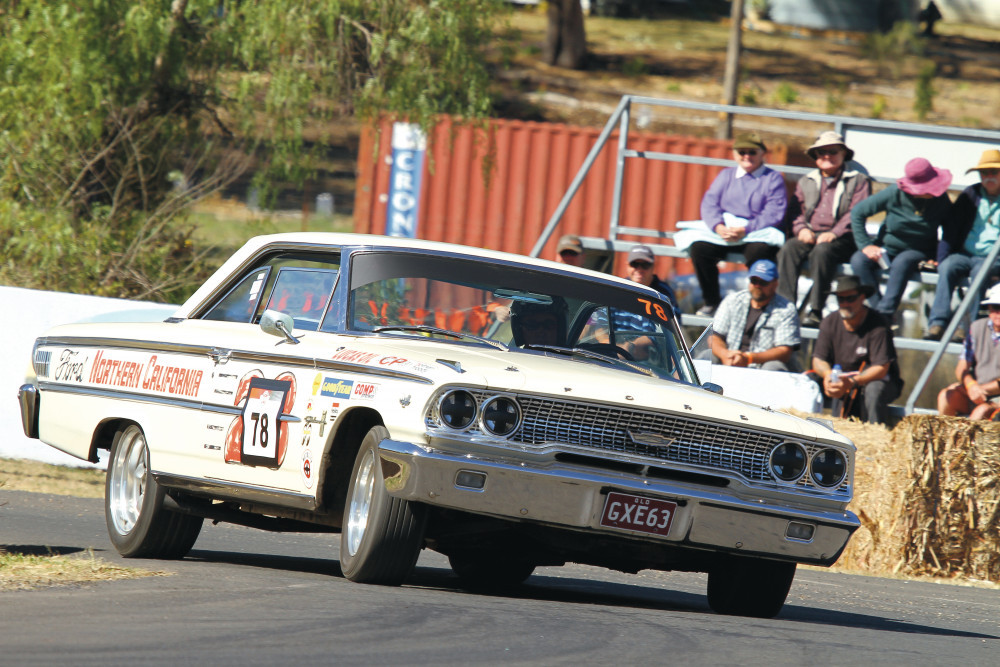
{"type": "Point", "coordinates": [504, 411]}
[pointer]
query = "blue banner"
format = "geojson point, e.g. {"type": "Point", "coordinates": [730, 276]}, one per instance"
{"type": "Point", "coordinates": [408, 147]}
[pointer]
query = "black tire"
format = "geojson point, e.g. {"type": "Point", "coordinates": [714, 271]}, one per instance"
{"type": "Point", "coordinates": [138, 524]}
{"type": "Point", "coordinates": [749, 587]}
{"type": "Point", "coordinates": [381, 536]}
{"type": "Point", "coordinates": [481, 571]}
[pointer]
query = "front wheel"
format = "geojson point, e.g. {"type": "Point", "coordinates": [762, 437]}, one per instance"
{"type": "Point", "coordinates": [381, 535]}
{"type": "Point", "coordinates": [741, 586]}
{"type": "Point", "coordinates": [138, 524]}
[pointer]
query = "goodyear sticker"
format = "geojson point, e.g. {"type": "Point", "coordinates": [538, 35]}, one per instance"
{"type": "Point", "coordinates": [336, 387]}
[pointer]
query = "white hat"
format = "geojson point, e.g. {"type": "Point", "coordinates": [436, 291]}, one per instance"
{"type": "Point", "coordinates": [992, 296]}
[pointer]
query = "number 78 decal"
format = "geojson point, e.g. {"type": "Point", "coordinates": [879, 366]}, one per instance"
{"type": "Point", "coordinates": [265, 404]}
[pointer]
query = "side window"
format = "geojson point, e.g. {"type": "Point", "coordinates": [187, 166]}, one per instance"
{"type": "Point", "coordinates": [297, 283]}
{"type": "Point", "coordinates": [302, 293]}
{"type": "Point", "coordinates": [241, 302]}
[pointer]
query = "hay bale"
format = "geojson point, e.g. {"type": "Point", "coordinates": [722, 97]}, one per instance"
{"type": "Point", "coordinates": [952, 504]}
{"type": "Point", "coordinates": [928, 497]}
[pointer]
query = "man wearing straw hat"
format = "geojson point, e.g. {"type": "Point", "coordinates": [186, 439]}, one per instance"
{"type": "Point", "coordinates": [978, 368]}
{"type": "Point", "coordinates": [973, 228]}
{"type": "Point", "coordinates": [821, 230]}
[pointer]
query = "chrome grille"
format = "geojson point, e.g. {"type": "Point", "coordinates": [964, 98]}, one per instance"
{"type": "Point", "coordinates": [630, 432]}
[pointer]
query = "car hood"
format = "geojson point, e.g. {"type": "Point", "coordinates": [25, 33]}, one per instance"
{"type": "Point", "coordinates": [574, 378]}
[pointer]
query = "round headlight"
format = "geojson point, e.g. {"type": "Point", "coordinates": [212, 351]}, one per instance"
{"type": "Point", "coordinates": [788, 461]}
{"type": "Point", "coordinates": [828, 467]}
{"type": "Point", "coordinates": [457, 409]}
{"type": "Point", "coordinates": [501, 416]}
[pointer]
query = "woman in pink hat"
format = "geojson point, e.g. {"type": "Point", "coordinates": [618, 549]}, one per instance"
{"type": "Point", "coordinates": [915, 207]}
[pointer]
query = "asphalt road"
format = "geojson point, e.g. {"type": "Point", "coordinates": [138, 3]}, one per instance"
{"type": "Point", "coordinates": [248, 597]}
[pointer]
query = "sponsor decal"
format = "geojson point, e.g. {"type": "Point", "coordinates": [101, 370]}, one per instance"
{"type": "Point", "coordinates": [336, 387]}
{"type": "Point", "coordinates": [317, 382]}
{"type": "Point", "coordinates": [364, 390]}
{"type": "Point", "coordinates": [391, 361]}
{"type": "Point", "coordinates": [151, 375]}
{"type": "Point", "coordinates": [70, 366]}
{"type": "Point", "coordinates": [354, 356]}
{"type": "Point", "coordinates": [214, 448]}
{"type": "Point", "coordinates": [420, 367]}
{"type": "Point", "coordinates": [307, 469]}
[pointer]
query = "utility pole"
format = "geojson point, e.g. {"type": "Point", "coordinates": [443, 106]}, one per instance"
{"type": "Point", "coordinates": [732, 77]}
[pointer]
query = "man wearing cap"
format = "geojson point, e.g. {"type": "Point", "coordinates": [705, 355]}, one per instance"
{"type": "Point", "coordinates": [859, 340]}
{"type": "Point", "coordinates": [640, 270]}
{"type": "Point", "coordinates": [972, 229]}
{"type": "Point", "coordinates": [570, 250]}
{"type": "Point", "coordinates": [821, 229]}
{"type": "Point", "coordinates": [757, 327]}
{"type": "Point", "coordinates": [914, 209]}
{"type": "Point", "coordinates": [978, 368]}
{"type": "Point", "coordinates": [742, 202]}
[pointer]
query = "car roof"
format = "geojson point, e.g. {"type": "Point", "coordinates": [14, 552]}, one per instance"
{"type": "Point", "coordinates": [317, 240]}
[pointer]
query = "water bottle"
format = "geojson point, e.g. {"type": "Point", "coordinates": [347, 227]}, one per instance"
{"type": "Point", "coordinates": [835, 373]}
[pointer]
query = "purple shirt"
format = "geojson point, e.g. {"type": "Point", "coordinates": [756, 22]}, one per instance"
{"type": "Point", "coordinates": [760, 197]}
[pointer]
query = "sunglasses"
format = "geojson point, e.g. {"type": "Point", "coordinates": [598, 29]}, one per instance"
{"type": "Point", "coordinates": [641, 265]}
{"type": "Point", "coordinates": [826, 152]}
{"type": "Point", "coordinates": [989, 172]}
{"type": "Point", "coordinates": [993, 309]}
{"type": "Point", "coordinates": [747, 151]}
{"type": "Point", "coordinates": [760, 282]}
{"type": "Point", "coordinates": [848, 298]}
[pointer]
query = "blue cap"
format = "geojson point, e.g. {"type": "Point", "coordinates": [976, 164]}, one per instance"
{"type": "Point", "coordinates": [764, 269]}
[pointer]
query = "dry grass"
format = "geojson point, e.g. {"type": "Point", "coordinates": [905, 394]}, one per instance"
{"type": "Point", "coordinates": [23, 475]}
{"type": "Point", "coordinates": [21, 571]}
{"type": "Point", "coordinates": [684, 58]}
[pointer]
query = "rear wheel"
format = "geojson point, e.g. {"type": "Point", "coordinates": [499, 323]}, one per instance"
{"type": "Point", "coordinates": [749, 586]}
{"type": "Point", "coordinates": [138, 524]}
{"type": "Point", "coordinates": [381, 535]}
{"type": "Point", "coordinates": [478, 570]}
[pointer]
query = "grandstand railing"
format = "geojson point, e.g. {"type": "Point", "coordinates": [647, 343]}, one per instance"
{"type": "Point", "coordinates": [621, 118]}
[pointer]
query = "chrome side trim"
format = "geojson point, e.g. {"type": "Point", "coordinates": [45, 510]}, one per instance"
{"type": "Point", "coordinates": [234, 491]}
{"type": "Point", "coordinates": [137, 397]}
{"type": "Point", "coordinates": [125, 343]}
{"type": "Point", "coordinates": [243, 355]}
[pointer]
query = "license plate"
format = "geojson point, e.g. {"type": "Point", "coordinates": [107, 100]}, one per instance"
{"type": "Point", "coordinates": [646, 515]}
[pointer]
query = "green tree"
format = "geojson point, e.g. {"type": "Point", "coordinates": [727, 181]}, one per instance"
{"type": "Point", "coordinates": [116, 115]}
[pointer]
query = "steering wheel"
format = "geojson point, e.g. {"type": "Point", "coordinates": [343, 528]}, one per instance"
{"type": "Point", "coordinates": [608, 349]}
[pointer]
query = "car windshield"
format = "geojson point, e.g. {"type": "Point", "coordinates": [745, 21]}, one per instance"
{"type": "Point", "coordinates": [542, 312]}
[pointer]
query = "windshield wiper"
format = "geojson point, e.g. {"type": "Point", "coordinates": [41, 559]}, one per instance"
{"type": "Point", "coordinates": [422, 328]}
{"type": "Point", "coordinates": [589, 354]}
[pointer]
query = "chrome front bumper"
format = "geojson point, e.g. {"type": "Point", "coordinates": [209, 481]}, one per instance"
{"type": "Point", "coordinates": [27, 398]}
{"type": "Point", "coordinates": [570, 497]}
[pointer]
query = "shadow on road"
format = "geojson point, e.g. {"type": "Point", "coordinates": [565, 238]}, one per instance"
{"type": "Point", "coordinates": [39, 550]}
{"type": "Point", "coordinates": [583, 591]}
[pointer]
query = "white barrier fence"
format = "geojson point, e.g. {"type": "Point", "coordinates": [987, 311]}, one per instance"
{"type": "Point", "coordinates": [30, 313]}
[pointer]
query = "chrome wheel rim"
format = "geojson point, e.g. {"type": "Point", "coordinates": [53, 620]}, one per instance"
{"type": "Point", "coordinates": [361, 502]}
{"type": "Point", "coordinates": [127, 480]}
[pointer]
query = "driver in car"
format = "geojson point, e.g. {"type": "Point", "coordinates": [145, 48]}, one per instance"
{"type": "Point", "coordinates": [538, 323]}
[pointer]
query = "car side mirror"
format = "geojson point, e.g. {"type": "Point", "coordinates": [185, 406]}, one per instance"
{"type": "Point", "coordinates": [278, 324]}
{"type": "Point", "coordinates": [712, 387]}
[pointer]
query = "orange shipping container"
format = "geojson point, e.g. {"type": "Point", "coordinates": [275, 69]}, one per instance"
{"type": "Point", "coordinates": [533, 164]}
